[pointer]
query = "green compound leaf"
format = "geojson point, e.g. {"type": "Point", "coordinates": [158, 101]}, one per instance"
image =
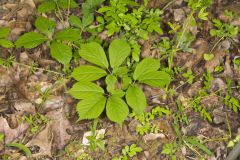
{"type": "Point", "coordinates": [145, 66]}
{"type": "Point", "coordinates": [6, 43]}
{"type": "Point", "coordinates": [155, 79]}
{"type": "Point", "coordinates": [45, 25]}
{"type": "Point", "coordinates": [84, 90]}
{"type": "Point", "coordinates": [30, 40]}
{"type": "Point", "coordinates": [21, 147]}
{"type": "Point", "coordinates": [68, 34]}
{"type": "Point", "coordinates": [136, 99]}
{"type": "Point", "coordinates": [119, 50]}
{"type": "Point", "coordinates": [61, 52]}
{"type": "Point", "coordinates": [46, 6]}
{"type": "Point", "coordinates": [4, 32]}
{"type": "Point", "coordinates": [91, 108]}
{"type": "Point", "coordinates": [88, 73]}
{"type": "Point", "coordinates": [117, 109]}
{"type": "Point", "coordinates": [94, 53]}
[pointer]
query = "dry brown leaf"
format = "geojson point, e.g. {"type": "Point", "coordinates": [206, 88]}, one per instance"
{"type": "Point", "coordinates": [25, 106]}
{"type": "Point", "coordinates": [227, 70]}
{"type": "Point", "coordinates": [12, 134]}
{"type": "Point", "coordinates": [218, 58]}
{"type": "Point", "coordinates": [201, 47]}
{"type": "Point", "coordinates": [44, 141]}
{"type": "Point", "coordinates": [60, 125]}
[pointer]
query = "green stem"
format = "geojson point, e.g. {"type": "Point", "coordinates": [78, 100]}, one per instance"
{"type": "Point", "coordinates": [215, 45]}
{"type": "Point", "coordinates": [42, 69]}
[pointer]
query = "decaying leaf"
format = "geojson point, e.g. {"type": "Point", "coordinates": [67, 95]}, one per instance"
{"type": "Point", "coordinates": [201, 47]}
{"type": "Point", "coordinates": [60, 125]}
{"type": "Point", "coordinates": [44, 141]}
{"type": "Point", "coordinates": [11, 134]}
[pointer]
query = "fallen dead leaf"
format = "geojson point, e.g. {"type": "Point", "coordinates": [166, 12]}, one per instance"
{"type": "Point", "coordinates": [12, 134]}
{"type": "Point", "coordinates": [201, 47]}
{"type": "Point", "coordinates": [44, 141]}
{"type": "Point", "coordinates": [153, 136]}
{"type": "Point", "coordinates": [60, 125]}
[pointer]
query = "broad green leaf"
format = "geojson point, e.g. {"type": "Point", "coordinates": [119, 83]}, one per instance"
{"type": "Point", "coordinates": [111, 82]}
{"type": "Point", "coordinates": [155, 78]}
{"type": "Point", "coordinates": [136, 99]}
{"type": "Point", "coordinates": [4, 32]}
{"type": "Point", "coordinates": [46, 6]}
{"type": "Point", "coordinates": [6, 43]}
{"type": "Point", "coordinates": [87, 20]}
{"type": "Point", "coordinates": [88, 73]}
{"type": "Point", "coordinates": [91, 107]}
{"type": "Point", "coordinates": [75, 21]}
{"type": "Point", "coordinates": [119, 50]}
{"type": "Point", "coordinates": [118, 93]}
{"type": "Point", "coordinates": [194, 141]}
{"type": "Point", "coordinates": [21, 147]}
{"type": "Point", "coordinates": [64, 4]}
{"type": "Point", "coordinates": [94, 53]}
{"type": "Point", "coordinates": [68, 34]}
{"type": "Point", "coordinates": [61, 52]}
{"type": "Point", "coordinates": [117, 109]}
{"type": "Point", "coordinates": [84, 90]}
{"type": "Point", "coordinates": [30, 40]}
{"type": "Point", "coordinates": [45, 25]}
{"type": "Point", "coordinates": [145, 66]}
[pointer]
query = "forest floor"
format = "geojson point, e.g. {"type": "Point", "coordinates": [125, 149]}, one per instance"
{"type": "Point", "coordinates": [195, 116]}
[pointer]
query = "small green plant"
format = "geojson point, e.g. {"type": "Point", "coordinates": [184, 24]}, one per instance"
{"type": "Point", "coordinates": [236, 62]}
{"type": "Point", "coordinates": [223, 29]}
{"type": "Point", "coordinates": [129, 152]}
{"type": "Point", "coordinates": [59, 50]}
{"type": "Point", "coordinates": [208, 56]}
{"type": "Point", "coordinates": [72, 149]}
{"type": "Point", "coordinates": [7, 62]}
{"type": "Point", "coordinates": [170, 149]}
{"type": "Point", "coordinates": [233, 142]}
{"type": "Point", "coordinates": [95, 98]}
{"type": "Point", "coordinates": [2, 137]}
{"type": "Point", "coordinates": [94, 141]}
{"type": "Point", "coordinates": [191, 143]}
{"type": "Point", "coordinates": [232, 102]}
{"type": "Point", "coordinates": [132, 20]}
{"type": "Point", "coordinates": [145, 120]}
{"type": "Point", "coordinates": [189, 76]}
{"type": "Point", "coordinates": [63, 42]}
{"type": "Point", "coordinates": [218, 69]}
{"type": "Point", "coordinates": [35, 122]}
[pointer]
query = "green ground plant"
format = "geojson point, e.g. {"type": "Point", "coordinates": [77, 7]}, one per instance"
{"type": "Point", "coordinates": [146, 126]}
{"type": "Point", "coordinates": [192, 143]}
{"type": "Point", "coordinates": [129, 152]}
{"type": "Point", "coordinates": [35, 122]}
{"type": "Point", "coordinates": [132, 20]}
{"type": "Point", "coordinates": [121, 81]}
